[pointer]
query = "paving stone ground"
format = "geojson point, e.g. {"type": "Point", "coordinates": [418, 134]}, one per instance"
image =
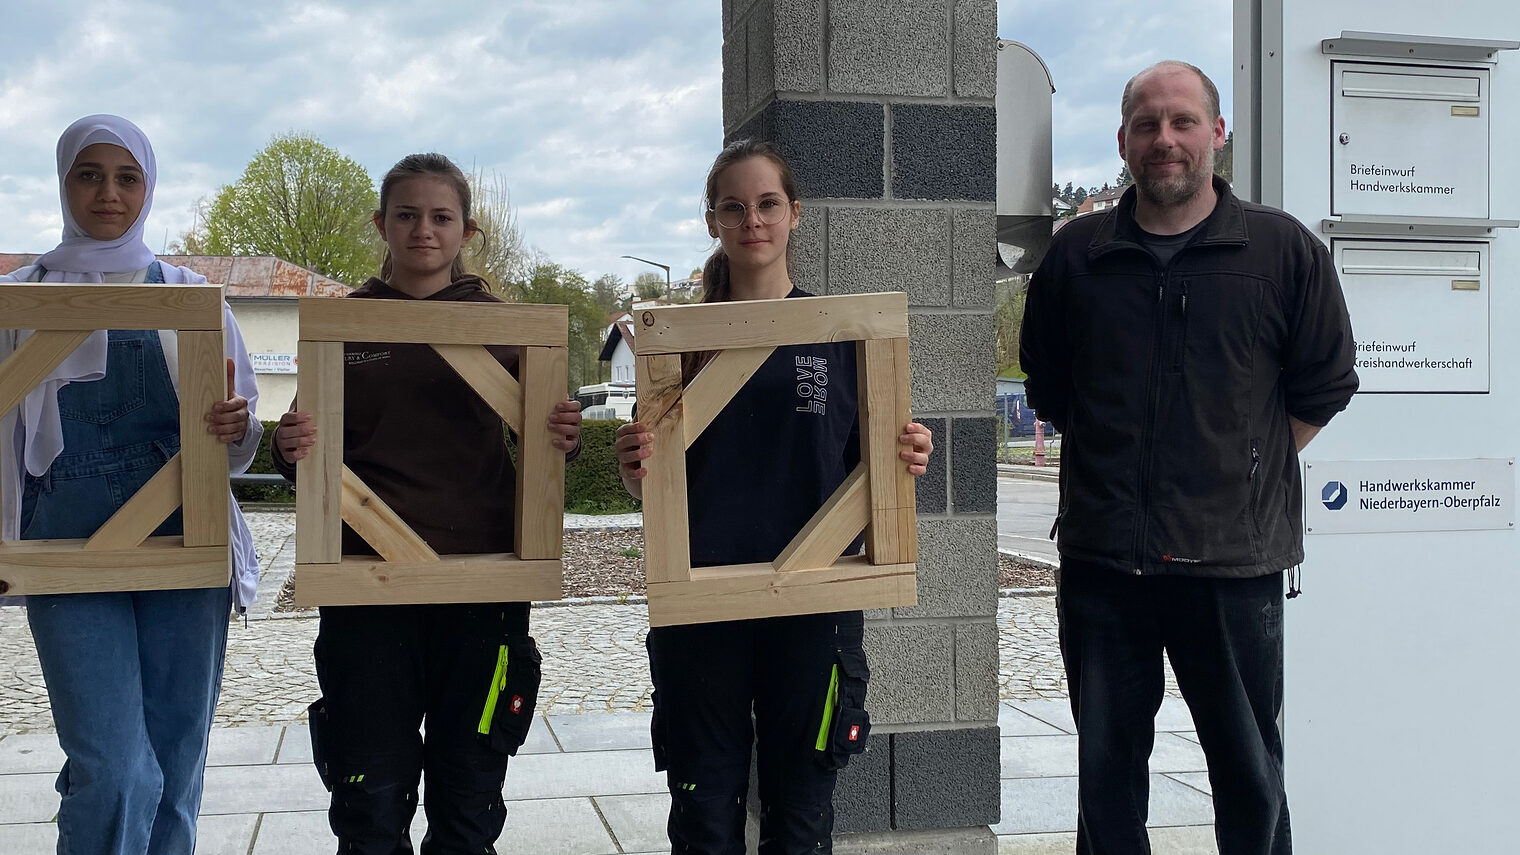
{"type": "Point", "coordinates": [594, 658]}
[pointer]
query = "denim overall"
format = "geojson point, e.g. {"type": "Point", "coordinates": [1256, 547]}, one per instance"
{"type": "Point", "coordinates": [132, 676]}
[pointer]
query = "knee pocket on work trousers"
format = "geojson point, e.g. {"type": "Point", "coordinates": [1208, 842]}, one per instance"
{"type": "Point", "coordinates": [507, 712]}
{"type": "Point", "coordinates": [845, 724]}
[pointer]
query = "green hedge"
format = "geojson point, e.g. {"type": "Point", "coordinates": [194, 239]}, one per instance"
{"type": "Point", "coordinates": [592, 485]}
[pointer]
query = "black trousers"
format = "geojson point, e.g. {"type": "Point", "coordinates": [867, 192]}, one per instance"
{"type": "Point", "coordinates": [469, 673]}
{"type": "Point", "coordinates": [1224, 640]}
{"type": "Point", "coordinates": [793, 688]}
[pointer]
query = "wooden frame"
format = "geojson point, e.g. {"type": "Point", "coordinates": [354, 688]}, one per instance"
{"type": "Point", "coordinates": [328, 494]}
{"type": "Point", "coordinates": [121, 556]}
{"type": "Point", "coordinates": [809, 576]}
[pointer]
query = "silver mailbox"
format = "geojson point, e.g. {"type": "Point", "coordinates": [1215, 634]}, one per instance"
{"type": "Point", "coordinates": [1419, 311]}
{"type": "Point", "coordinates": [1409, 140]}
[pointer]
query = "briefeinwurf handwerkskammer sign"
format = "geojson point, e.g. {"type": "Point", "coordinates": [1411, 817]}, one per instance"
{"type": "Point", "coordinates": [1354, 496]}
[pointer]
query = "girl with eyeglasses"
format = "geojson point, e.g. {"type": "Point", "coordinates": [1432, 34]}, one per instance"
{"type": "Point", "coordinates": [790, 687]}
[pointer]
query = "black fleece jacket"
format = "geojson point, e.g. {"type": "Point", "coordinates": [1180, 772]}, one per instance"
{"type": "Point", "coordinates": [1173, 385]}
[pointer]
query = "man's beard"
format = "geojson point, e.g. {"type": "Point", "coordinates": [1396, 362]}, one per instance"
{"type": "Point", "coordinates": [1172, 192]}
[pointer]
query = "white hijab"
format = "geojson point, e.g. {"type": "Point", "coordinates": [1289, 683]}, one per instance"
{"type": "Point", "coordinates": [79, 257]}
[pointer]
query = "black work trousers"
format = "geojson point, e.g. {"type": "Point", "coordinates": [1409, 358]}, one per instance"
{"type": "Point", "coordinates": [793, 688]}
{"type": "Point", "coordinates": [469, 673]}
{"type": "Point", "coordinates": [1224, 640]}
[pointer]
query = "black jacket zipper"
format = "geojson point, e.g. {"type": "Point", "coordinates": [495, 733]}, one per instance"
{"type": "Point", "coordinates": [1148, 427]}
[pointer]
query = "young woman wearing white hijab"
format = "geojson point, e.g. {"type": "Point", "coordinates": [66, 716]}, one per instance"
{"type": "Point", "coordinates": [132, 677]}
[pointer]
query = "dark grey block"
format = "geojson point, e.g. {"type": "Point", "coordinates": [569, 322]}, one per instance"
{"type": "Point", "coordinates": [863, 798]}
{"type": "Point", "coordinates": [973, 467]}
{"type": "Point", "coordinates": [945, 778]}
{"type": "Point", "coordinates": [889, 47]}
{"type": "Point", "coordinates": [973, 257]}
{"type": "Point", "coordinates": [735, 76]}
{"type": "Point", "coordinates": [976, 671]}
{"type": "Point", "coordinates": [835, 149]}
{"type": "Point", "coordinates": [931, 495]}
{"type": "Point", "coordinates": [798, 45]}
{"type": "Point", "coordinates": [952, 362]}
{"type": "Point", "coordinates": [944, 152]}
{"type": "Point", "coordinates": [911, 675]}
{"type": "Point", "coordinates": [884, 249]}
{"type": "Point", "coordinates": [975, 60]}
{"type": "Point", "coordinates": [957, 569]}
{"type": "Point", "coordinates": [761, 49]}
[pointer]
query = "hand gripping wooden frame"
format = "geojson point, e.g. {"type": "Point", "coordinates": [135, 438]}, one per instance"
{"type": "Point", "coordinates": [120, 555]}
{"type": "Point", "coordinates": [328, 494]}
{"type": "Point", "coordinates": [809, 576]}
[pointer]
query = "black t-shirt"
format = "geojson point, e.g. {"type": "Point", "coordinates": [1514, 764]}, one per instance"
{"type": "Point", "coordinates": [1166, 247]}
{"type": "Point", "coordinates": [781, 446]}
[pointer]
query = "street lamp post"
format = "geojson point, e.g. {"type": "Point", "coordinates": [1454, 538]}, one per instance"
{"type": "Point", "coordinates": [664, 267]}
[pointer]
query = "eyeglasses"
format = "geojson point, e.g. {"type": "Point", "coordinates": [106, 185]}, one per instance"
{"type": "Point", "coordinates": [732, 214]}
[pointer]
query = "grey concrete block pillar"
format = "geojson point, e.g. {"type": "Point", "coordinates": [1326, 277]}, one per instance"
{"type": "Point", "coordinates": [885, 110]}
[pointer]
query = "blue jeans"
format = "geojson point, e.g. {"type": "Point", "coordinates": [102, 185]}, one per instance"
{"type": "Point", "coordinates": [132, 677]}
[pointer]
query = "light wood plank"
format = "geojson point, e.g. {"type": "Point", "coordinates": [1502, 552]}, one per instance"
{"type": "Point", "coordinates": [205, 489]}
{"type": "Point", "coordinates": [667, 540]}
{"type": "Point", "coordinates": [319, 480]}
{"type": "Point", "coordinates": [539, 518]}
{"type": "Point", "coordinates": [380, 526]}
{"type": "Point", "coordinates": [453, 579]}
{"type": "Point", "coordinates": [762, 323]}
{"type": "Point", "coordinates": [134, 521]}
{"type": "Point", "coordinates": [33, 361]}
{"type": "Point", "coordinates": [113, 307]}
{"type": "Point", "coordinates": [833, 526]}
{"type": "Point", "coordinates": [417, 322]}
{"type": "Point", "coordinates": [493, 383]}
{"type": "Point", "coordinates": [711, 390]}
{"type": "Point", "coordinates": [884, 411]}
{"type": "Point", "coordinates": [63, 567]}
{"type": "Point", "coordinates": [756, 591]}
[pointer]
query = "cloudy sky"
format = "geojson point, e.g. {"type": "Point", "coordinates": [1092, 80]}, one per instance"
{"type": "Point", "coordinates": [601, 115]}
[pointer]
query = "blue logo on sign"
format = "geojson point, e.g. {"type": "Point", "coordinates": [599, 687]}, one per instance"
{"type": "Point", "coordinates": [1334, 495]}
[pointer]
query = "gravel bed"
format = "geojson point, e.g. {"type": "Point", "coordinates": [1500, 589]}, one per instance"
{"type": "Point", "coordinates": [610, 563]}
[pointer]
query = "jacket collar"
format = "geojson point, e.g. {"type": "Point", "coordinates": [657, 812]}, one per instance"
{"type": "Point", "coordinates": [1225, 225]}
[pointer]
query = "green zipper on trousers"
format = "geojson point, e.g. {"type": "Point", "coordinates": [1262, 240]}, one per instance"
{"type": "Point", "coordinates": [498, 682]}
{"type": "Point", "coordinates": [830, 701]}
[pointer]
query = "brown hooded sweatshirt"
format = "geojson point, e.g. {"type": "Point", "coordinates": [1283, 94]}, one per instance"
{"type": "Point", "coordinates": [423, 440]}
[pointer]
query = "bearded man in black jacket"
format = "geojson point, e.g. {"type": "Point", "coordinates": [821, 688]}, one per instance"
{"type": "Point", "coordinates": [1187, 345]}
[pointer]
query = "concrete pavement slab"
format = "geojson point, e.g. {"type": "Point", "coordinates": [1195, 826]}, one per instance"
{"type": "Point", "coordinates": [1012, 722]}
{"type": "Point", "coordinates": [1197, 780]}
{"type": "Point", "coordinates": [30, 752]}
{"type": "Point", "coordinates": [593, 773]}
{"type": "Point", "coordinates": [295, 746]}
{"type": "Point", "coordinates": [638, 822]}
{"type": "Point", "coordinates": [1056, 713]}
{"type": "Point", "coordinates": [28, 798]}
{"type": "Point", "coordinates": [1185, 840]}
{"type": "Point", "coordinates": [1035, 805]}
{"type": "Point", "coordinates": [223, 835]}
{"type": "Point", "coordinates": [602, 732]}
{"type": "Point", "coordinates": [32, 837]}
{"type": "Point", "coordinates": [1190, 736]}
{"type": "Point", "coordinates": [262, 789]}
{"type": "Point", "coordinates": [243, 746]}
{"type": "Point", "coordinates": [555, 827]}
{"type": "Point", "coordinates": [1171, 753]}
{"type": "Point", "coordinates": [1174, 715]}
{"type": "Point", "coordinates": [1056, 756]}
{"type": "Point", "coordinates": [540, 739]}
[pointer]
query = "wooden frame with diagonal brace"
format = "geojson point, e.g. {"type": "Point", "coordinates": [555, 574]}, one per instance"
{"type": "Point", "coordinates": [809, 576]}
{"type": "Point", "coordinates": [121, 555]}
{"type": "Point", "coordinates": [328, 494]}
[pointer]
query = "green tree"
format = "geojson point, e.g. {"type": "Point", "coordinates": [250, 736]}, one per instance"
{"type": "Point", "coordinates": [1224, 159]}
{"type": "Point", "coordinates": [302, 201]}
{"type": "Point", "coordinates": [648, 286]}
{"type": "Point", "coordinates": [610, 294]}
{"type": "Point", "coordinates": [548, 282]}
{"type": "Point", "coordinates": [1125, 178]}
{"type": "Point", "coordinates": [499, 254]}
{"type": "Point", "coordinates": [1008, 320]}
